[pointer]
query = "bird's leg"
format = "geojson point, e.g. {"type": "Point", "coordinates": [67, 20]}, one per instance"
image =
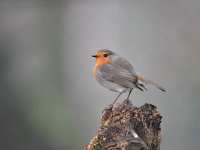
{"type": "Point", "coordinates": [129, 93]}
{"type": "Point", "coordinates": [111, 105]}
{"type": "Point", "coordinates": [118, 97]}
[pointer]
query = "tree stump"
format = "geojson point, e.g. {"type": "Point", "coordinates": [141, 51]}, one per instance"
{"type": "Point", "coordinates": [126, 127]}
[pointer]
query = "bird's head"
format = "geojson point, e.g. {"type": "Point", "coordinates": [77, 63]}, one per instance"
{"type": "Point", "coordinates": [103, 56]}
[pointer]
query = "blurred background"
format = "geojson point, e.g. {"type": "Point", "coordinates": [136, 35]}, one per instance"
{"type": "Point", "coordinates": [49, 98]}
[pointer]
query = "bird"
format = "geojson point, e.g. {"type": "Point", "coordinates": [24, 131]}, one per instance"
{"type": "Point", "coordinates": [117, 74]}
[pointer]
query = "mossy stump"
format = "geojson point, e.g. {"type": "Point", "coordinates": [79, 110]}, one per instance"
{"type": "Point", "coordinates": [127, 127]}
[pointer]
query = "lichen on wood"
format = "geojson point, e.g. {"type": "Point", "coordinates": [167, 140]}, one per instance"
{"type": "Point", "coordinates": [127, 127]}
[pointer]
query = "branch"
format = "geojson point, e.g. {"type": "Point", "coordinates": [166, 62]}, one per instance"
{"type": "Point", "coordinates": [126, 127]}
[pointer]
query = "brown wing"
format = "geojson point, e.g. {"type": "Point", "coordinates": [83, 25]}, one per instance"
{"type": "Point", "coordinates": [117, 74]}
{"type": "Point", "coordinates": [123, 63]}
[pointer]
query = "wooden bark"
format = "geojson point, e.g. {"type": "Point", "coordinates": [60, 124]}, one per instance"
{"type": "Point", "coordinates": [127, 127]}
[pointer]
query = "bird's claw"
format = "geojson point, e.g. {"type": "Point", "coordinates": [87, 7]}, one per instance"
{"type": "Point", "coordinates": [107, 108]}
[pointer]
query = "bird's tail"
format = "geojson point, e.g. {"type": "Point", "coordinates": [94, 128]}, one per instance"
{"type": "Point", "coordinates": [146, 81]}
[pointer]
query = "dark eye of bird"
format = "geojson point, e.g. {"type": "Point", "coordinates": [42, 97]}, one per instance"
{"type": "Point", "coordinates": [105, 55]}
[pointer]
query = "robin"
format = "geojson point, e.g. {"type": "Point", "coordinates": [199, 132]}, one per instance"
{"type": "Point", "coordinates": [117, 74]}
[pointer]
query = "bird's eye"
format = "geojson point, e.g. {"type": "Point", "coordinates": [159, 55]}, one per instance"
{"type": "Point", "coordinates": [105, 55]}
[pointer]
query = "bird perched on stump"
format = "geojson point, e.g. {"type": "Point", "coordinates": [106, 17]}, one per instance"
{"type": "Point", "coordinates": [117, 74]}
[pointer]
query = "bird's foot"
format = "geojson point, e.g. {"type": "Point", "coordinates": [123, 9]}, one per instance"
{"type": "Point", "coordinates": [108, 108]}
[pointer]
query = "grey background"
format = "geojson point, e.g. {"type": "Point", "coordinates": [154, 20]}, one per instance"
{"type": "Point", "coordinates": [49, 98]}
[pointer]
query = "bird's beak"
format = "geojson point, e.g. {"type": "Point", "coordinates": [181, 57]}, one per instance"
{"type": "Point", "coordinates": [94, 56]}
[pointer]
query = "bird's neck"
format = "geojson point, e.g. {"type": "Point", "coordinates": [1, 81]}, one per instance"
{"type": "Point", "coordinates": [99, 62]}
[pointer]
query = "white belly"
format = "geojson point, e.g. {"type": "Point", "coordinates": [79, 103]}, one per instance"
{"type": "Point", "coordinates": [113, 86]}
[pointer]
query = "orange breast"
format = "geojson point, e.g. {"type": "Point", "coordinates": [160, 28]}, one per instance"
{"type": "Point", "coordinates": [100, 61]}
